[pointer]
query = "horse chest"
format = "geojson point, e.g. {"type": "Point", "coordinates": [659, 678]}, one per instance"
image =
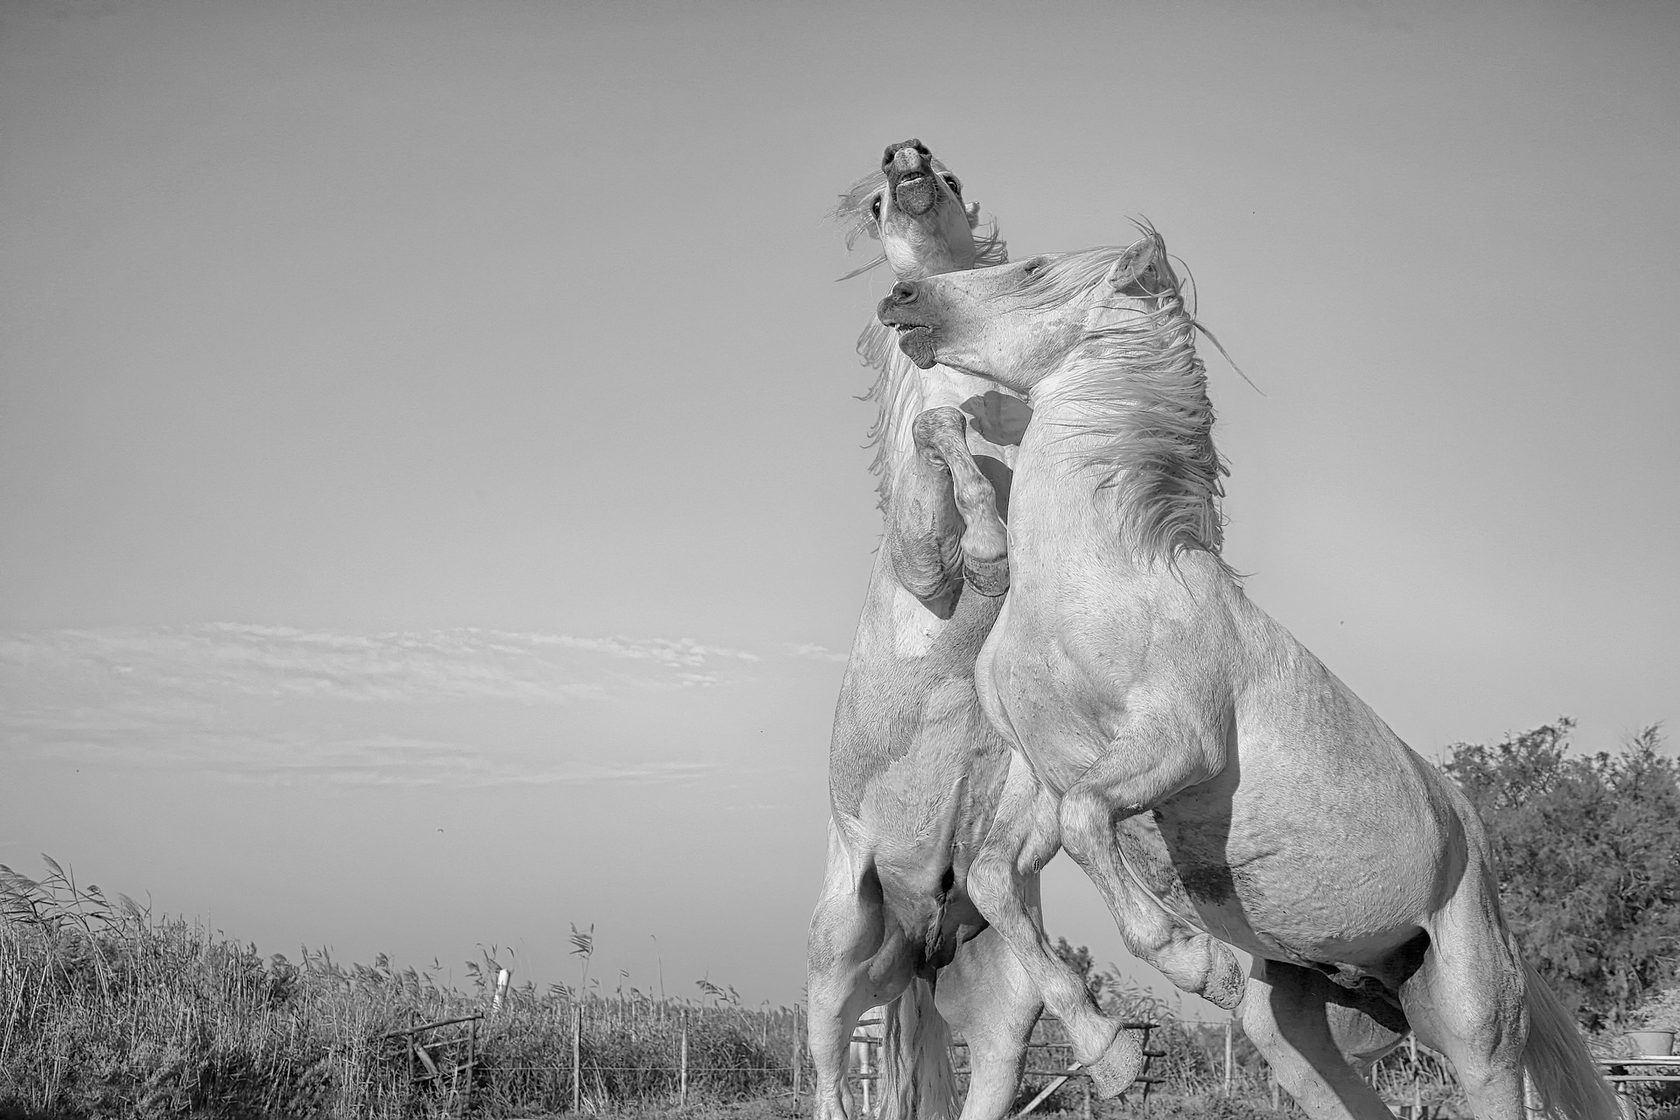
{"type": "Point", "coordinates": [1026, 686]}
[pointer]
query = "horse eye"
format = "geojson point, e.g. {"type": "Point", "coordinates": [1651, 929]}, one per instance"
{"type": "Point", "coordinates": [875, 207]}
{"type": "Point", "coordinates": [951, 181]}
{"type": "Point", "coordinates": [1033, 267]}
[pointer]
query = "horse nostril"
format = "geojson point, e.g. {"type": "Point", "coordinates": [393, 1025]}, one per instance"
{"type": "Point", "coordinates": [892, 151]}
{"type": "Point", "coordinates": [904, 292]}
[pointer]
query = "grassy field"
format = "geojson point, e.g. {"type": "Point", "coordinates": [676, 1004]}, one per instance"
{"type": "Point", "coordinates": [109, 1012]}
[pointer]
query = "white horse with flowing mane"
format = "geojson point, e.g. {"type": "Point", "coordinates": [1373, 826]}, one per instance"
{"type": "Point", "coordinates": [1133, 676]}
{"type": "Point", "coordinates": [915, 769]}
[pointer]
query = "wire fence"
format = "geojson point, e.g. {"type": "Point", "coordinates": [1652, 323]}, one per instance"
{"type": "Point", "coordinates": [455, 1064]}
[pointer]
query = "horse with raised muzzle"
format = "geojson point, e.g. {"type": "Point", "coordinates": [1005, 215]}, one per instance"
{"type": "Point", "coordinates": [915, 769]}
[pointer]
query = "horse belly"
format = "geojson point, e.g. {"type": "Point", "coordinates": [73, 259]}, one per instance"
{"type": "Point", "coordinates": [1302, 890]}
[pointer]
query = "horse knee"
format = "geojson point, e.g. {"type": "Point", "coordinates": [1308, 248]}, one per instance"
{"type": "Point", "coordinates": [994, 887]}
{"type": "Point", "coordinates": [1087, 822]}
{"type": "Point", "coordinates": [936, 425]}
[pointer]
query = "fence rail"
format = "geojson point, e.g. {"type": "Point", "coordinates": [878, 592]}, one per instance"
{"type": "Point", "coordinates": [866, 1075]}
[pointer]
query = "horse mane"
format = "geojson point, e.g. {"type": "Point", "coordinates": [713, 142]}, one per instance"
{"type": "Point", "coordinates": [1138, 385]}
{"type": "Point", "coordinates": [897, 388]}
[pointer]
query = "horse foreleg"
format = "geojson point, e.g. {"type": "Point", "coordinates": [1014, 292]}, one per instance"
{"type": "Point", "coordinates": [924, 533]}
{"type": "Point", "coordinates": [1150, 905]}
{"type": "Point", "coordinates": [852, 963]}
{"type": "Point", "coordinates": [941, 436]}
{"type": "Point", "coordinates": [1152, 756]}
{"type": "Point", "coordinates": [1288, 1015]}
{"type": "Point", "coordinates": [1022, 838]}
{"type": "Point", "coordinates": [986, 994]}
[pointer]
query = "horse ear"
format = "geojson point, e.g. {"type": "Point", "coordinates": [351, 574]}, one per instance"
{"type": "Point", "coordinates": [1132, 265]}
{"type": "Point", "coordinates": [973, 214]}
{"type": "Point", "coordinates": [1142, 268]}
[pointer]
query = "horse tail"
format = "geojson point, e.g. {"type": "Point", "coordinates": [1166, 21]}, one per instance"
{"type": "Point", "coordinates": [1559, 1068]}
{"type": "Point", "coordinates": [918, 1081]}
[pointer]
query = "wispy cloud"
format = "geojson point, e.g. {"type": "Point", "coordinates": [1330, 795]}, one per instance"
{"type": "Point", "coordinates": [813, 652]}
{"type": "Point", "coordinates": [282, 705]}
{"type": "Point", "coordinates": [419, 666]}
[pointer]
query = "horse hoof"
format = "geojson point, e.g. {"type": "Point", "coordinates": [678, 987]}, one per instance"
{"type": "Point", "coordinates": [988, 577]}
{"type": "Point", "coordinates": [985, 549]}
{"type": "Point", "coordinates": [1227, 985]}
{"type": "Point", "coordinates": [1119, 1066]}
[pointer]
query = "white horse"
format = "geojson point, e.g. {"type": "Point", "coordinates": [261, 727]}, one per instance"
{"type": "Point", "coordinates": [1135, 677]}
{"type": "Point", "coordinates": [915, 769]}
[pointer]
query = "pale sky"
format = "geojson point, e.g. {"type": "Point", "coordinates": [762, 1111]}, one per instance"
{"type": "Point", "coordinates": [432, 501]}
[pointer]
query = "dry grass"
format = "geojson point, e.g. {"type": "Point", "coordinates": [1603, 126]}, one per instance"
{"type": "Point", "coordinates": [109, 1012]}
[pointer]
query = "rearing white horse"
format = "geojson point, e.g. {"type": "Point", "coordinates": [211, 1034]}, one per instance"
{"type": "Point", "coordinates": [1134, 676]}
{"type": "Point", "coordinates": [915, 769]}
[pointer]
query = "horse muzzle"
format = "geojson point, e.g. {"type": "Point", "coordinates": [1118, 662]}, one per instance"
{"type": "Point", "coordinates": [901, 311]}
{"type": "Point", "coordinates": [909, 169]}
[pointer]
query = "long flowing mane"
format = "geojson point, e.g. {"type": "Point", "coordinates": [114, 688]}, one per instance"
{"type": "Point", "coordinates": [897, 388]}
{"type": "Point", "coordinates": [1138, 385]}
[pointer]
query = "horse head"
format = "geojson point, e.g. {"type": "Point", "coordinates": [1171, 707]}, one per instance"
{"type": "Point", "coordinates": [914, 207]}
{"type": "Point", "coordinates": [924, 226]}
{"type": "Point", "coordinates": [1013, 323]}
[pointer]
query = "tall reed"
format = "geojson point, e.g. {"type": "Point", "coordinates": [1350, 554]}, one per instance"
{"type": "Point", "coordinates": [111, 1012]}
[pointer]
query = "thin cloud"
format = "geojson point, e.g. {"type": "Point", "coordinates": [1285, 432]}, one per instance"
{"type": "Point", "coordinates": [813, 652]}
{"type": "Point", "coordinates": [420, 666]}
{"type": "Point", "coordinates": [279, 705]}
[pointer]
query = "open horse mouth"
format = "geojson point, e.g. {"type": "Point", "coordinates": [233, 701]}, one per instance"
{"type": "Point", "coordinates": [916, 193]}
{"type": "Point", "coordinates": [914, 339]}
{"type": "Point", "coordinates": [909, 168]}
{"type": "Point", "coordinates": [900, 311]}
{"type": "Point", "coordinates": [917, 344]}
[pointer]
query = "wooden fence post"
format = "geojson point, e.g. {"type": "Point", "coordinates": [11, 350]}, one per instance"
{"type": "Point", "coordinates": [798, 1055]}
{"type": "Point", "coordinates": [577, 1058]}
{"type": "Point", "coordinates": [1228, 1057]}
{"type": "Point", "coordinates": [1417, 1088]}
{"type": "Point", "coordinates": [472, 1060]}
{"type": "Point", "coordinates": [682, 1084]}
{"type": "Point", "coordinates": [867, 1063]}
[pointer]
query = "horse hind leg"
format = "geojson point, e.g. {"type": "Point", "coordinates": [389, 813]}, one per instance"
{"type": "Point", "coordinates": [1476, 1001]}
{"type": "Point", "coordinates": [853, 963]}
{"type": "Point", "coordinates": [1293, 1017]}
{"type": "Point", "coordinates": [941, 436]}
{"type": "Point", "coordinates": [1466, 1001]}
{"type": "Point", "coordinates": [987, 995]}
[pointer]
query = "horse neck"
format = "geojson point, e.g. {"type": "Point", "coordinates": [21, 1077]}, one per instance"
{"type": "Point", "coordinates": [1122, 453]}
{"type": "Point", "coordinates": [1057, 494]}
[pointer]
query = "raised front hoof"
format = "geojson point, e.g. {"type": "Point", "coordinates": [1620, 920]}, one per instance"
{"type": "Point", "coordinates": [985, 551]}
{"type": "Point", "coordinates": [1227, 983]}
{"type": "Point", "coordinates": [988, 577]}
{"type": "Point", "coordinates": [1119, 1066]}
